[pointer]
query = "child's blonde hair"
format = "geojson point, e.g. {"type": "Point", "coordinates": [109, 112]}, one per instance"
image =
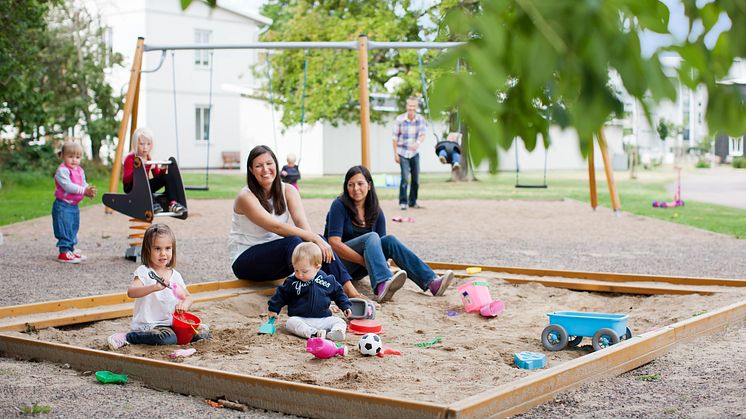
{"type": "Point", "coordinates": [157, 230]}
{"type": "Point", "coordinates": [142, 132]}
{"type": "Point", "coordinates": [70, 146]}
{"type": "Point", "coordinates": [307, 251]}
{"type": "Point", "coordinates": [291, 158]}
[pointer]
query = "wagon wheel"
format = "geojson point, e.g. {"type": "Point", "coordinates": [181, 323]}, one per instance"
{"type": "Point", "coordinates": [573, 341]}
{"type": "Point", "coordinates": [627, 334]}
{"type": "Point", "coordinates": [554, 337]}
{"type": "Point", "coordinates": [604, 338]}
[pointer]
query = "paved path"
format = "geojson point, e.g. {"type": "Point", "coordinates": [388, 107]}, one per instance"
{"type": "Point", "coordinates": [720, 185]}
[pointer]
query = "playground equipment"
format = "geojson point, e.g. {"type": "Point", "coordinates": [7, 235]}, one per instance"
{"type": "Point", "coordinates": [303, 400]}
{"type": "Point", "coordinates": [677, 201]}
{"type": "Point", "coordinates": [138, 202]}
{"type": "Point", "coordinates": [518, 183]}
{"type": "Point", "coordinates": [567, 328]}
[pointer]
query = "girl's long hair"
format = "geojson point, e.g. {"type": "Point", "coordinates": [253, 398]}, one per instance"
{"type": "Point", "coordinates": [275, 191]}
{"type": "Point", "coordinates": [370, 206]}
{"type": "Point", "coordinates": [157, 230]}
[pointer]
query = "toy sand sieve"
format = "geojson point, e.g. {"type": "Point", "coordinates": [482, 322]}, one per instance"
{"type": "Point", "coordinates": [363, 326]}
{"type": "Point", "coordinates": [185, 325]}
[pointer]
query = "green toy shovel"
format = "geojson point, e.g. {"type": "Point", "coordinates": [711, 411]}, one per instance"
{"type": "Point", "coordinates": [269, 327]}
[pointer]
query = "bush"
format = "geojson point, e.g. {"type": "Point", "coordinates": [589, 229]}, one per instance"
{"type": "Point", "coordinates": [20, 157]}
{"type": "Point", "coordinates": [739, 162]}
{"type": "Point", "coordinates": [702, 164]}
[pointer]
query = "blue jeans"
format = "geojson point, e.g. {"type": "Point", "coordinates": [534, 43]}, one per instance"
{"type": "Point", "coordinates": [273, 260]}
{"type": "Point", "coordinates": [159, 335]}
{"type": "Point", "coordinates": [455, 158]}
{"type": "Point", "coordinates": [65, 222]}
{"type": "Point", "coordinates": [376, 251]}
{"type": "Point", "coordinates": [409, 167]}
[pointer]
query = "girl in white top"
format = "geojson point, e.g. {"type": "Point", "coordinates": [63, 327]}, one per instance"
{"type": "Point", "coordinates": [262, 238]}
{"type": "Point", "coordinates": [159, 291]}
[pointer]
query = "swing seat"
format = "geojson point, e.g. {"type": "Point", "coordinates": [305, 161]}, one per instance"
{"type": "Point", "coordinates": [138, 203]}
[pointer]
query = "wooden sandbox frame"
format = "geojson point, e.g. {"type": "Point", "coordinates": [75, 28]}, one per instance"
{"type": "Point", "coordinates": [308, 400]}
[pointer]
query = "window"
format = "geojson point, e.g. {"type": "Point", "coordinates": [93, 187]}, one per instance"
{"type": "Point", "coordinates": [736, 146]}
{"type": "Point", "coordinates": [202, 123]}
{"type": "Point", "coordinates": [202, 56]}
{"type": "Point", "coordinates": [108, 44]}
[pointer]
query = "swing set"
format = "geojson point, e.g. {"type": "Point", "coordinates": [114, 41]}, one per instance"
{"type": "Point", "coordinates": [362, 45]}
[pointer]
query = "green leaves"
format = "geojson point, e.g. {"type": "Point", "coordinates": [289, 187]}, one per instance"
{"type": "Point", "coordinates": [549, 63]}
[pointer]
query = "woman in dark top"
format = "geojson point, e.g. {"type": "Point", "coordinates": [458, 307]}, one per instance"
{"type": "Point", "coordinates": [356, 230]}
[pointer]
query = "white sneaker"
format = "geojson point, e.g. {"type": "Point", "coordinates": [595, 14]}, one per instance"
{"type": "Point", "coordinates": [117, 340]}
{"type": "Point", "coordinates": [320, 333]}
{"type": "Point", "coordinates": [403, 207]}
{"type": "Point", "coordinates": [336, 335]}
{"type": "Point", "coordinates": [456, 166]}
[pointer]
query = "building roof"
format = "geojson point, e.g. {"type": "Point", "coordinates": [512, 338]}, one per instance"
{"type": "Point", "coordinates": [241, 8]}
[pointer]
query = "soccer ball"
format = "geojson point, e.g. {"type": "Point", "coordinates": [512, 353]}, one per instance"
{"type": "Point", "coordinates": [370, 344]}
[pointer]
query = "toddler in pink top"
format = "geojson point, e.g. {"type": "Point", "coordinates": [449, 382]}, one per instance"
{"type": "Point", "coordinates": [70, 188]}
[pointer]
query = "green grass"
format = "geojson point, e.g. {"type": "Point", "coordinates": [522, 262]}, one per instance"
{"type": "Point", "coordinates": [26, 196]}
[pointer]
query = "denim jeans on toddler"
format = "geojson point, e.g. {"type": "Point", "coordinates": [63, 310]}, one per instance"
{"type": "Point", "coordinates": [455, 158]}
{"type": "Point", "coordinates": [66, 222]}
{"type": "Point", "coordinates": [160, 335]}
{"type": "Point", "coordinates": [377, 250]}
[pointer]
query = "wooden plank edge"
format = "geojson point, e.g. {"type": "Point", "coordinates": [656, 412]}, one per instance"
{"type": "Point", "coordinates": [65, 320]}
{"type": "Point", "coordinates": [259, 392]}
{"type": "Point", "coordinates": [599, 276]}
{"type": "Point", "coordinates": [610, 287]}
{"type": "Point", "coordinates": [114, 299]}
{"type": "Point", "coordinates": [521, 395]}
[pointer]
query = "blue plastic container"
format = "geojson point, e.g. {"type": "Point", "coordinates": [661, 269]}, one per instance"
{"type": "Point", "coordinates": [586, 324]}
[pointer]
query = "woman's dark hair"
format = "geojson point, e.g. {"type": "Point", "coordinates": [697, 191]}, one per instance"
{"type": "Point", "coordinates": [371, 206]}
{"type": "Point", "coordinates": [275, 191]}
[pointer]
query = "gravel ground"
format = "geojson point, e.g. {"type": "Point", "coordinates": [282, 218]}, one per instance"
{"type": "Point", "coordinates": [558, 235]}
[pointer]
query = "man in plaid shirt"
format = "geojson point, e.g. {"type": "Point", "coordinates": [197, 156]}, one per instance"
{"type": "Point", "coordinates": [409, 134]}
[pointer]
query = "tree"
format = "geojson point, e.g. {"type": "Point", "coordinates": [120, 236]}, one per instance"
{"type": "Point", "coordinates": [332, 92]}
{"type": "Point", "coordinates": [77, 76]}
{"type": "Point", "coordinates": [52, 74]}
{"type": "Point", "coordinates": [22, 41]}
{"type": "Point", "coordinates": [536, 63]}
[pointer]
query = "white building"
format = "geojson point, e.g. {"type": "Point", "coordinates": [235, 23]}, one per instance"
{"type": "Point", "coordinates": [181, 123]}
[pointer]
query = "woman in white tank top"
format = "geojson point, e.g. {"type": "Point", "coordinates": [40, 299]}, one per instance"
{"type": "Point", "coordinates": [262, 239]}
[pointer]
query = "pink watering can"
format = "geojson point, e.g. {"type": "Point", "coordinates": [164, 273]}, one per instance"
{"type": "Point", "coordinates": [322, 348]}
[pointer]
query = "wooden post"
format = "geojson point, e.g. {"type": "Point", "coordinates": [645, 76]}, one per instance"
{"type": "Point", "coordinates": [615, 204]}
{"type": "Point", "coordinates": [129, 106]}
{"type": "Point", "coordinates": [592, 176]}
{"type": "Point", "coordinates": [135, 107]}
{"type": "Point", "coordinates": [362, 46]}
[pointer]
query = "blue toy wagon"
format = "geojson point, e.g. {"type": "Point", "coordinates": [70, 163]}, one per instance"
{"type": "Point", "coordinates": [567, 328]}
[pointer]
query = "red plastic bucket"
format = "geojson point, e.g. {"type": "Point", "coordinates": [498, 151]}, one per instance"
{"type": "Point", "coordinates": [185, 325]}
